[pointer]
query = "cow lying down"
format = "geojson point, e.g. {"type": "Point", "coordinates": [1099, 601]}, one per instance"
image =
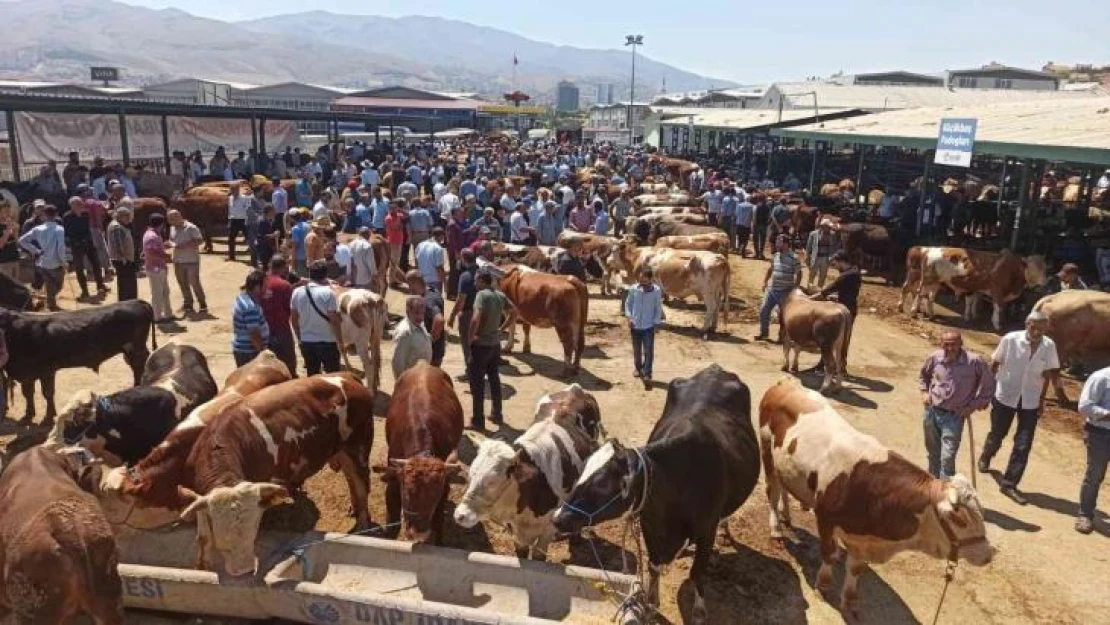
{"type": "Point", "coordinates": [520, 485]}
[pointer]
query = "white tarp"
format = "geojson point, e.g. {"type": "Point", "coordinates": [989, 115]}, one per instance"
{"type": "Point", "coordinates": [46, 136]}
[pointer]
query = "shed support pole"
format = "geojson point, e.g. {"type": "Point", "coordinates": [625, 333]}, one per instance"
{"type": "Point", "coordinates": [13, 145]}
{"type": "Point", "coordinates": [254, 134]}
{"type": "Point", "coordinates": [123, 140]}
{"type": "Point", "coordinates": [1023, 197]}
{"type": "Point", "coordinates": [1001, 187]}
{"type": "Point", "coordinates": [262, 136]}
{"type": "Point", "coordinates": [924, 191]}
{"type": "Point", "coordinates": [166, 142]}
{"type": "Point", "coordinates": [1089, 192]}
{"type": "Point", "coordinates": [859, 173]}
{"type": "Point", "coordinates": [813, 167]}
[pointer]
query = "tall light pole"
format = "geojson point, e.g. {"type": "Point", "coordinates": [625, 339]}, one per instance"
{"type": "Point", "coordinates": [632, 40]}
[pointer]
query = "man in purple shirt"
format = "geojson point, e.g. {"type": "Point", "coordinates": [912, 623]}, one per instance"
{"type": "Point", "coordinates": [954, 384]}
{"type": "Point", "coordinates": [581, 218]}
{"type": "Point", "coordinates": [454, 246]}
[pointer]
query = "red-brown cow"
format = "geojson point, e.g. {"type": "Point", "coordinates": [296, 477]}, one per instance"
{"type": "Point", "coordinates": [547, 301]}
{"type": "Point", "coordinates": [423, 427]}
{"type": "Point", "coordinates": [252, 455]}
{"type": "Point", "coordinates": [866, 498]}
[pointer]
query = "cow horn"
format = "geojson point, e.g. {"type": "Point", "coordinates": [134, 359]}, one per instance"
{"type": "Point", "coordinates": [398, 462]}
{"type": "Point", "coordinates": [273, 495]}
{"type": "Point", "coordinates": [953, 497]}
{"type": "Point", "coordinates": [198, 504]}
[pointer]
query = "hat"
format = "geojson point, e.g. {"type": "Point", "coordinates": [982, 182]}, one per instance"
{"type": "Point", "coordinates": [1036, 316]}
{"type": "Point", "coordinates": [825, 222]}
{"type": "Point", "coordinates": [83, 188]}
{"type": "Point", "coordinates": [323, 221]}
{"type": "Point", "coordinates": [38, 204]}
{"type": "Point", "coordinates": [1068, 269]}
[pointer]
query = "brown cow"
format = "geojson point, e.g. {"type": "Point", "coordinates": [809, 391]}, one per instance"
{"type": "Point", "coordinates": [872, 240]}
{"type": "Point", "coordinates": [714, 242]}
{"type": "Point", "coordinates": [1003, 276]}
{"type": "Point", "coordinates": [145, 496]}
{"type": "Point", "coordinates": [588, 247]}
{"type": "Point", "coordinates": [868, 500]}
{"type": "Point", "coordinates": [681, 274]}
{"type": "Point", "coordinates": [142, 208]}
{"type": "Point", "coordinates": [816, 326]}
{"type": "Point", "coordinates": [206, 207]}
{"type": "Point", "coordinates": [1077, 323]}
{"type": "Point", "coordinates": [58, 553]}
{"type": "Point", "coordinates": [251, 456]}
{"type": "Point", "coordinates": [547, 301]}
{"type": "Point", "coordinates": [423, 428]}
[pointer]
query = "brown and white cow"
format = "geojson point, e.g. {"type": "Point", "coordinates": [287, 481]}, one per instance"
{"type": "Point", "coordinates": [253, 454]}
{"type": "Point", "coordinates": [816, 326]}
{"type": "Point", "coordinates": [520, 485]}
{"type": "Point", "coordinates": [663, 199]}
{"type": "Point", "coordinates": [145, 496]}
{"type": "Point", "coordinates": [547, 301]}
{"type": "Point", "coordinates": [423, 428]}
{"type": "Point", "coordinates": [681, 274]}
{"type": "Point", "coordinates": [1077, 323]}
{"type": "Point", "coordinates": [712, 242]}
{"type": "Point", "coordinates": [363, 314]}
{"type": "Point", "coordinates": [866, 498]}
{"type": "Point", "coordinates": [58, 556]}
{"type": "Point", "coordinates": [1003, 276]}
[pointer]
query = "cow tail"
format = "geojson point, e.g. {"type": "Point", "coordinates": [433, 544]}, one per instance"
{"type": "Point", "coordinates": [583, 310]}
{"type": "Point", "coordinates": [153, 335]}
{"type": "Point", "coordinates": [728, 290]}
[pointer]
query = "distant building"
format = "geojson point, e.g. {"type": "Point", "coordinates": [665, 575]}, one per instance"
{"type": "Point", "coordinates": [566, 97]}
{"type": "Point", "coordinates": [610, 122]}
{"type": "Point", "coordinates": [898, 78]}
{"type": "Point", "coordinates": [739, 98]}
{"type": "Point", "coordinates": [604, 94]}
{"type": "Point", "coordinates": [995, 76]}
{"type": "Point", "coordinates": [423, 111]}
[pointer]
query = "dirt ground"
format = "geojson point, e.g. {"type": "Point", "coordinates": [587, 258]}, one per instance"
{"type": "Point", "coordinates": [1044, 572]}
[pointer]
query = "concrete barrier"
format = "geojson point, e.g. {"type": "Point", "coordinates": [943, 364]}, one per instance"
{"type": "Point", "coordinates": [345, 579]}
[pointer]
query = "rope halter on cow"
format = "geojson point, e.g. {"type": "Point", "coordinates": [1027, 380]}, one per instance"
{"type": "Point", "coordinates": [954, 544]}
{"type": "Point", "coordinates": [636, 506]}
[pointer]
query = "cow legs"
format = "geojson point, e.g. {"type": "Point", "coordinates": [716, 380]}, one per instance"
{"type": "Point", "coordinates": [849, 594]}
{"type": "Point", "coordinates": [697, 574]}
{"type": "Point", "coordinates": [440, 513]}
{"type": "Point", "coordinates": [136, 358]}
{"type": "Point", "coordinates": [48, 394]}
{"type": "Point", "coordinates": [27, 387]}
{"type": "Point", "coordinates": [996, 316]}
{"type": "Point", "coordinates": [368, 367]}
{"type": "Point", "coordinates": [393, 506]}
{"type": "Point", "coordinates": [828, 554]}
{"type": "Point", "coordinates": [358, 484]}
{"type": "Point", "coordinates": [776, 496]}
{"type": "Point", "coordinates": [527, 329]}
{"type": "Point", "coordinates": [570, 341]}
{"type": "Point", "coordinates": [511, 339]}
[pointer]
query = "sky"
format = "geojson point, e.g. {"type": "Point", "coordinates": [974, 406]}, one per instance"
{"type": "Point", "coordinates": [753, 43]}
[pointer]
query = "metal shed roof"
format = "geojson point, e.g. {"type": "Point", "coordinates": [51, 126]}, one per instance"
{"type": "Point", "coordinates": [893, 97]}
{"type": "Point", "coordinates": [751, 119]}
{"type": "Point", "coordinates": [1075, 130]}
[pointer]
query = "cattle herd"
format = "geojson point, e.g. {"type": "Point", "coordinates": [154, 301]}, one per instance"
{"type": "Point", "coordinates": [180, 447]}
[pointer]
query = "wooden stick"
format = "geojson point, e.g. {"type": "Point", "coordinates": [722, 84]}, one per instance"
{"type": "Point", "coordinates": [971, 451]}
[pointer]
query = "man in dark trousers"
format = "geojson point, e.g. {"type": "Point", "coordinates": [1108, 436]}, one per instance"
{"type": "Point", "coordinates": [845, 289]}
{"type": "Point", "coordinates": [485, 352]}
{"type": "Point", "coordinates": [79, 237]}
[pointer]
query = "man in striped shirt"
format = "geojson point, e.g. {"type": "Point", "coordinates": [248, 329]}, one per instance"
{"type": "Point", "coordinates": [250, 332]}
{"type": "Point", "coordinates": [784, 274]}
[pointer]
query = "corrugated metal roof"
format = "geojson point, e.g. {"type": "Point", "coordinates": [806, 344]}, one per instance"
{"type": "Point", "coordinates": [893, 97]}
{"type": "Point", "coordinates": [743, 119]}
{"type": "Point", "coordinates": [407, 103]}
{"type": "Point", "coordinates": [1065, 129]}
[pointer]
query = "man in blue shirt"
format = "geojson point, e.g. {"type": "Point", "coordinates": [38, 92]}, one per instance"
{"type": "Point", "coordinates": [380, 207]}
{"type": "Point", "coordinates": [47, 244]}
{"type": "Point", "coordinates": [363, 217]}
{"type": "Point", "coordinates": [745, 212]}
{"type": "Point", "coordinates": [420, 223]}
{"type": "Point", "coordinates": [1094, 405]}
{"type": "Point", "coordinates": [643, 307]}
{"type": "Point", "coordinates": [728, 204]}
{"type": "Point", "coordinates": [601, 219]}
{"type": "Point", "coordinates": [297, 235]}
{"type": "Point", "coordinates": [468, 187]}
{"type": "Point", "coordinates": [304, 190]}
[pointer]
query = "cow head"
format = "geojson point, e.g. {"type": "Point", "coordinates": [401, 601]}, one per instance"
{"type": "Point", "coordinates": [491, 481]}
{"type": "Point", "coordinates": [603, 491]}
{"type": "Point", "coordinates": [76, 415]}
{"type": "Point", "coordinates": [959, 510]}
{"type": "Point", "coordinates": [227, 521]}
{"type": "Point", "coordinates": [423, 482]}
{"type": "Point", "coordinates": [1036, 273]}
{"type": "Point", "coordinates": [573, 401]}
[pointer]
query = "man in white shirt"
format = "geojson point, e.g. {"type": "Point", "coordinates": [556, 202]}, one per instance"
{"type": "Point", "coordinates": [521, 232]}
{"type": "Point", "coordinates": [370, 176]}
{"type": "Point", "coordinates": [314, 316]}
{"type": "Point", "coordinates": [238, 204]}
{"type": "Point", "coordinates": [411, 340]}
{"type": "Point", "coordinates": [1024, 364]}
{"type": "Point", "coordinates": [363, 271]}
{"type": "Point", "coordinates": [448, 203]}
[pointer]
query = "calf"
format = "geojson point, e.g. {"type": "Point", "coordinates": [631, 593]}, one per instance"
{"type": "Point", "coordinates": [364, 315]}
{"type": "Point", "coordinates": [547, 301]}
{"type": "Point", "coordinates": [1003, 276]}
{"type": "Point", "coordinates": [58, 554]}
{"type": "Point", "coordinates": [249, 457]}
{"type": "Point", "coordinates": [700, 464]}
{"type": "Point", "coordinates": [121, 428]}
{"type": "Point", "coordinates": [816, 326]}
{"type": "Point", "coordinates": [866, 498]}
{"type": "Point", "coordinates": [40, 345]}
{"type": "Point", "coordinates": [145, 495]}
{"type": "Point", "coordinates": [183, 371]}
{"type": "Point", "coordinates": [423, 427]}
{"type": "Point", "coordinates": [520, 485]}
{"type": "Point", "coordinates": [681, 274]}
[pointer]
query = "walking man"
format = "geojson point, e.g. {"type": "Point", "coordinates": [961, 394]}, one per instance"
{"type": "Point", "coordinates": [463, 310]}
{"type": "Point", "coordinates": [745, 213]}
{"type": "Point", "coordinates": [250, 332]}
{"type": "Point", "coordinates": [820, 246]}
{"type": "Point", "coordinates": [277, 295]}
{"type": "Point", "coordinates": [431, 261]}
{"type": "Point", "coordinates": [156, 262]}
{"type": "Point", "coordinates": [46, 242]}
{"type": "Point", "coordinates": [1094, 405]}
{"type": "Point", "coordinates": [954, 384]}
{"type": "Point", "coordinates": [1025, 363]}
{"type": "Point", "coordinates": [121, 253]}
{"type": "Point", "coordinates": [644, 308]}
{"type": "Point", "coordinates": [485, 351]}
{"type": "Point", "coordinates": [784, 274]}
{"type": "Point", "coordinates": [314, 316]}
{"type": "Point", "coordinates": [238, 205]}
{"type": "Point", "coordinates": [186, 237]}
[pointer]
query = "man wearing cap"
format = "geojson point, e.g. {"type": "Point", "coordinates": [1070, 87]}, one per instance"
{"type": "Point", "coordinates": [79, 236]}
{"type": "Point", "coordinates": [238, 204]}
{"type": "Point", "coordinates": [314, 316]}
{"type": "Point", "coordinates": [487, 226]}
{"type": "Point", "coordinates": [47, 244]}
{"type": "Point", "coordinates": [784, 274]}
{"type": "Point", "coordinates": [1065, 280]}
{"type": "Point", "coordinates": [1024, 363]}
{"type": "Point", "coordinates": [370, 176]}
{"type": "Point", "coordinates": [121, 253]}
{"type": "Point", "coordinates": [820, 246]}
{"type": "Point", "coordinates": [315, 242]}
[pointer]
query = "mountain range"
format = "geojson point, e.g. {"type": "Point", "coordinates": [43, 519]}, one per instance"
{"type": "Point", "coordinates": [60, 39]}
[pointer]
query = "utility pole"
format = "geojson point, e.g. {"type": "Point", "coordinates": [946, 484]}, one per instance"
{"type": "Point", "coordinates": [632, 40]}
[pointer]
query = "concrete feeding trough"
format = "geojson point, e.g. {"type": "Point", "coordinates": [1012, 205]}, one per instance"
{"type": "Point", "coordinates": [345, 579]}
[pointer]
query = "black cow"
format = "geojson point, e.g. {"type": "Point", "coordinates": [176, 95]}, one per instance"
{"type": "Point", "coordinates": [40, 345]}
{"type": "Point", "coordinates": [183, 371]}
{"type": "Point", "coordinates": [120, 428]}
{"type": "Point", "coordinates": [700, 464]}
{"type": "Point", "coordinates": [13, 295]}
